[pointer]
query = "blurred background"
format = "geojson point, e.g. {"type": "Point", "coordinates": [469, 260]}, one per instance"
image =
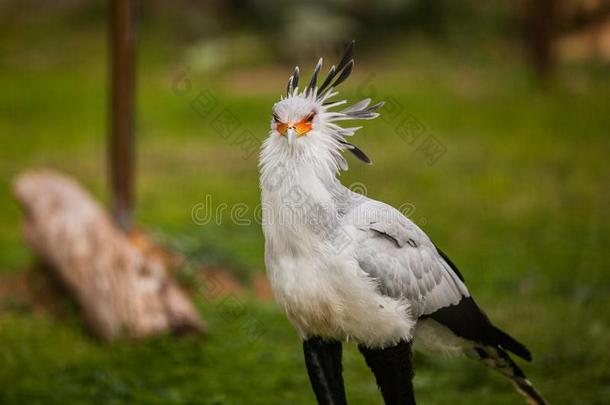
{"type": "Point", "coordinates": [495, 135]}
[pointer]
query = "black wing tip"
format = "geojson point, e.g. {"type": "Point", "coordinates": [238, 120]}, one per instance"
{"type": "Point", "coordinates": [512, 345]}
{"type": "Point", "coordinates": [467, 320]}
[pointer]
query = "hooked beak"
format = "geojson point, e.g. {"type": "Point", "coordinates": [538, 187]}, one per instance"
{"type": "Point", "coordinates": [291, 136]}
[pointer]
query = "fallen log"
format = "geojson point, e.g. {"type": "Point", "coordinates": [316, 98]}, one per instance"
{"type": "Point", "coordinates": [121, 290]}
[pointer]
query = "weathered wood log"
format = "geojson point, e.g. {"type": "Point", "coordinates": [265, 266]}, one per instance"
{"type": "Point", "coordinates": [121, 290]}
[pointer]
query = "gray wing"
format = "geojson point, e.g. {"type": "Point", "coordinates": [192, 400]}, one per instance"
{"type": "Point", "coordinates": [403, 260]}
{"type": "Point", "coordinates": [406, 265]}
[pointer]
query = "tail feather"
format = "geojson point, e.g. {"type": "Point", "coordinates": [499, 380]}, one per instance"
{"type": "Point", "coordinates": [525, 387]}
{"type": "Point", "coordinates": [498, 360]}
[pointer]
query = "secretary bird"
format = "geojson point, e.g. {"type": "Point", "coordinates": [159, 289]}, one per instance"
{"type": "Point", "coordinates": [346, 267]}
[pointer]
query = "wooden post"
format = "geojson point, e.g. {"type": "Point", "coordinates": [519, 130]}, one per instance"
{"type": "Point", "coordinates": [541, 21]}
{"type": "Point", "coordinates": [122, 101]}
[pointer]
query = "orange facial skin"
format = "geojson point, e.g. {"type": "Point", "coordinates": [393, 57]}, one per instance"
{"type": "Point", "coordinates": [281, 127]}
{"type": "Point", "coordinates": [302, 127]}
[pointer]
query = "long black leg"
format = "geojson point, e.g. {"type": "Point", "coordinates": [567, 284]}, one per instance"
{"type": "Point", "coordinates": [393, 371]}
{"type": "Point", "coordinates": [323, 360]}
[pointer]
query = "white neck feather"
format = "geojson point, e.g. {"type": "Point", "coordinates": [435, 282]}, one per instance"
{"type": "Point", "coordinates": [295, 178]}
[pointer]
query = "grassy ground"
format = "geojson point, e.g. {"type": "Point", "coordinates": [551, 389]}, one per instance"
{"type": "Point", "coordinates": [519, 200]}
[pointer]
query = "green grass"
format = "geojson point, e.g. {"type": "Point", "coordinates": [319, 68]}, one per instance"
{"type": "Point", "coordinates": [519, 201]}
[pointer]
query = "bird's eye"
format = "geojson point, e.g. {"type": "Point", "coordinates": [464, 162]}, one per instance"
{"type": "Point", "coordinates": [276, 118]}
{"type": "Point", "coordinates": [310, 117]}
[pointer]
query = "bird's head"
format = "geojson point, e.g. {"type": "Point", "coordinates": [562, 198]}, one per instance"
{"type": "Point", "coordinates": [304, 122]}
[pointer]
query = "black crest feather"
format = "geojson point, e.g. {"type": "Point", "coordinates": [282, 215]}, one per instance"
{"type": "Point", "coordinates": [329, 78]}
{"type": "Point", "coordinates": [295, 78]}
{"type": "Point", "coordinates": [357, 152]}
{"type": "Point", "coordinates": [337, 74]}
{"type": "Point", "coordinates": [343, 69]}
{"type": "Point", "coordinates": [289, 87]}
{"type": "Point", "coordinates": [314, 77]}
